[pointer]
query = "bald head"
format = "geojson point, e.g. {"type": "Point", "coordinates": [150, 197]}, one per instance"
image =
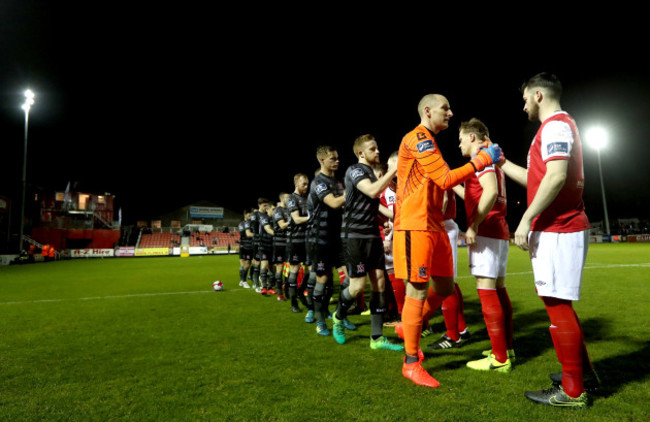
{"type": "Point", "coordinates": [435, 112]}
{"type": "Point", "coordinates": [429, 100]}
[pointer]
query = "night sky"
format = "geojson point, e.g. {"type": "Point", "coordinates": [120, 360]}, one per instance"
{"type": "Point", "coordinates": [164, 107]}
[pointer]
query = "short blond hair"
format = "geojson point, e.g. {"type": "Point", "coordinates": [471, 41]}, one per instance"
{"type": "Point", "coordinates": [476, 127]}
{"type": "Point", "coordinates": [360, 141]}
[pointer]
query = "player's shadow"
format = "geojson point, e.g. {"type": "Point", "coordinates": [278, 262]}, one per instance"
{"type": "Point", "coordinates": [532, 339]}
{"type": "Point", "coordinates": [617, 371]}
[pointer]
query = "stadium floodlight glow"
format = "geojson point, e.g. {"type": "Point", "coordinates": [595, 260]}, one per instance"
{"type": "Point", "coordinates": [29, 100]}
{"type": "Point", "coordinates": [27, 105]}
{"type": "Point", "coordinates": [597, 137]}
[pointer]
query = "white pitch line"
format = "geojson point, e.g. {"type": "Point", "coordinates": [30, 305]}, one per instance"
{"type": "Point", "coordinates": [593, 267]}
{"type": "Point", "coordinates": [109, 297]}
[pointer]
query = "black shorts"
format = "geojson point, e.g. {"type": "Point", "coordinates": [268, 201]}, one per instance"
{"type": "Point", "coordinates": [264, 254]}
{"type": "Point", "coordinates": [296, 253]}
{"type": "Point", "coordinates": [363, 255]}
{"type": "Point", "coordinates": [245, 253]}
{"type": "Point", "coordinates": [279, 254]}
{"type": "Point", "coordinates": [309, 245]}
{"type": "Point", "coordinates": [328, 256]}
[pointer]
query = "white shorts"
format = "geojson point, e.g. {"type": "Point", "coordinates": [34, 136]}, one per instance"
{"type": "Point", "coordinates": [452, 231]}
{"type": "Point", "coordinates": [558, 260]}
{"type": "Point", "coordinates": [488, 257]}
{"type": "Point", "coordinates": [388, 258]}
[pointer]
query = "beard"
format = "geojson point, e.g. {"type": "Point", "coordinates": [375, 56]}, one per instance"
{"type": "Point", "coordinates": [533, 113]}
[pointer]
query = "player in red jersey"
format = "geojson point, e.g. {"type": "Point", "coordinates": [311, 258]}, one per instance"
{"type": "Point", "coordinates": [487, 238]}
{"type": "Point", "coordinates": [453, 306]}
{"type": "Point", "coordinates": [387, 201]}
{"type": "Point", "coordinates": [555, 231]}
{"type": "Point", "coordinates": [421, 249]}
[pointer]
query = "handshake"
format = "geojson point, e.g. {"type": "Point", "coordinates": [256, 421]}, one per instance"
{"type": "Point", "coordinates": [489, 154]}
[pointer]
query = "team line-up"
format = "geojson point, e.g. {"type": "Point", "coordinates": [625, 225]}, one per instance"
{"type": "Point", "coordinates": [395, 220]}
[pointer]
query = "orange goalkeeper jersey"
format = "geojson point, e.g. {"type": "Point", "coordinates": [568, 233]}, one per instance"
{"type": "Point", "coordinates": [422, 177]}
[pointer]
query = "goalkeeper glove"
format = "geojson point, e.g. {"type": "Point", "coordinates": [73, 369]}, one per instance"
{"type": "Point", "coordinates": [487, 156]}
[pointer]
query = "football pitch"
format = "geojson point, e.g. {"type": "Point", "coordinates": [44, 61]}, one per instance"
{"type": "Point", "coordinates": [148, 340]}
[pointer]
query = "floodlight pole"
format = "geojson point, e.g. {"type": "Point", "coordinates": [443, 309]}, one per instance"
{"type": "Point", "coordinates": [29, 101]}
{"type": "Point", "coordinates": [602, 190]}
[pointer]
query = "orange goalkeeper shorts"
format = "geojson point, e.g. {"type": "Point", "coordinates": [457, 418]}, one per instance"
{"type": "Point", "coordinates": [419, 255]}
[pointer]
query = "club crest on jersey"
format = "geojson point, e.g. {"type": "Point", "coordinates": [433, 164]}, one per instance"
{"type": "Point", "coordinates": [426, 145]}
{"type": "Point", "coordinates": [558, 148]}
{"type": "Point", "coordinates": [321, 188]}
{"type": "Point", "coordinates": [356, 173]}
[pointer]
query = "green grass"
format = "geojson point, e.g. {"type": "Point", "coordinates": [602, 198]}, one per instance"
{"type": "Point", "coordinates": [147, 340]}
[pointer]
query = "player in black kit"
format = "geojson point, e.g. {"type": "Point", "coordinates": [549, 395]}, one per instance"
{"type": "Point", "coordinates": [363, 246]}
{"type": "Point", "coordinates": [266, 245]}
{"type": "Point", "coordinates": [280, 226]}
{"type": "Point", "coordinates": [245, 250]}
{"type": "Point", "coordinates": [296, 247]}
{"type": "Point", "coordinates": [328, 197]}
{"type": "Point", "coordinates": [253, 232]}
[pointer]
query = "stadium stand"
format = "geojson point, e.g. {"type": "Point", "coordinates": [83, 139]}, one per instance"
{"type": "Point", "coordinates": [208, 239]}
{"type": "Point", "coordinates": [218, 239]}
{"type": "Point", "coordinates": [159, 240]}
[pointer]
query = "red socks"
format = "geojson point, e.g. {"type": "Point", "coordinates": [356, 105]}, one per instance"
{"type": "Point", "coordinates": [450, 314]}
{"type": "Point", "coordinates": [567, 336]}
{"type": "Point", "coordinates": [493, 314]}
{"type": "Point", "coordinates": [462, 326]}
{"type": "Point", "coordinates": [450, 311]}
{"type": "Point", "coordinates": [506, 305]}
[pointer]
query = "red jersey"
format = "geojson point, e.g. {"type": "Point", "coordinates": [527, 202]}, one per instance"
{"type": "Point", "coordinates": [558, 139]}
{"type": "Point", "coordinates": [387, 199]}
{"type": "Point", "coordinates": [494, 225]}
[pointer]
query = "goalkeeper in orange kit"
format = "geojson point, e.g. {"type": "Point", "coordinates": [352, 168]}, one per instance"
{"type": "Point", "coordinates": [421, 248]}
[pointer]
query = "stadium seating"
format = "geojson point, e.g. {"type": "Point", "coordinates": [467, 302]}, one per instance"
{"type": "Point", "coordinates": [207, 239]}
{"type": "Point", "coordinates": [214, 239]}
{"type": "Point", "coordinates": [159, 240]}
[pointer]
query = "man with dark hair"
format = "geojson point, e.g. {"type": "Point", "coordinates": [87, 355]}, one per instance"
{"type": "Point", "coordinates": [328, 197]}
{"type": "Point", "coordinates": [555, 231]}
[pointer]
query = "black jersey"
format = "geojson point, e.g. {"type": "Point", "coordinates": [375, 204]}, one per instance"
{"type": "Point", "coordinates": [360, 218]}
{"type": "Point", "coordinates": [254, 223]}
{"type": "Point", "coordinates": [327, 221]}
{"type": "Point", "coordinates": [245, 242]}
{"type": "Point", "coordinates": [280, 234]}
{"type": "Point", "coordinates": [298, 203]}
{"type": "Point", "coordinates": [266, 239]}
{"type": "Point", "coordinates": [312, 232]}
